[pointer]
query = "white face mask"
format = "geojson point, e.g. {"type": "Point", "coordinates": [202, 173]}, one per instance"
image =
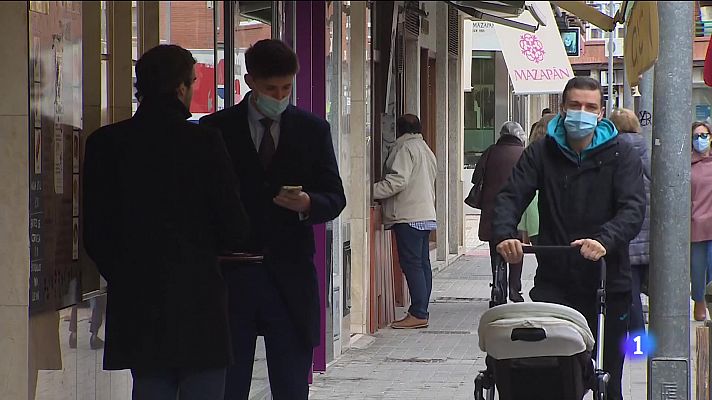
{"type": "Point", "coordinates": [269, 106]}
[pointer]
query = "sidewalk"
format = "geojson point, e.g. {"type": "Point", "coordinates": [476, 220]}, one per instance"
{"type": "Point", "coordinates": [439, 362]}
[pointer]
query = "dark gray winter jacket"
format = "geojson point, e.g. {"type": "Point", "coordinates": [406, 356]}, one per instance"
{"type": "Point", "coordinates": [639, 247]}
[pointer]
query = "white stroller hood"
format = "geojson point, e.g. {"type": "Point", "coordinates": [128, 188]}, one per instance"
{"type": "Point", "coordinates": [567, 332]}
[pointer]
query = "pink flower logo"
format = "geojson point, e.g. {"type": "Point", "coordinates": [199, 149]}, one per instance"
{"type": "Point", "coordinates": [532, 48]}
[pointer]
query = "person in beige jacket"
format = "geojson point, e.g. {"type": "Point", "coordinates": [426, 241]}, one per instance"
{"type": "Point", "coordinates": [408, 196]}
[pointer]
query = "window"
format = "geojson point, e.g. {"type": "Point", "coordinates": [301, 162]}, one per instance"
{"type": "Point", "coordinates": [479, 107]}
{"type": "Point", "coordinates": [199, 26]}
{"type": "Point", "coordinates": [595, 33]}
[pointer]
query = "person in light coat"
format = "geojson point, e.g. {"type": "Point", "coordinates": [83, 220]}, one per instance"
{"type": "Point", "coordinates": [408, 195]}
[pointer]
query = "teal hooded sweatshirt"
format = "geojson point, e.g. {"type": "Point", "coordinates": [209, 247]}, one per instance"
{"type": "Point", "coordinates": [605, 131]}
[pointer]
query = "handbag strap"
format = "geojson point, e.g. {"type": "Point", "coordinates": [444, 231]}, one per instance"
{"type": "Point", "coordinates": [479, 173]}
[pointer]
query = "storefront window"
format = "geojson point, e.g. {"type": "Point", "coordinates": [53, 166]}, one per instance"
{"type": "Point", "coordinates": [199, 26]}
{"type": "Point", "coordinates": [134, 54]}
{"type": "Point", "coordinates": [479, 108]}
{"type": "Point", "coordinates": [344, 154]}
{"type": "Point", "coordinates": [190, 25]}
{"type": "Point", "coordinates": [105, 119]}
{"type": "Point", "coordinates": [65, 347]}
{"type": "Point", "coordinates": [253, 23]}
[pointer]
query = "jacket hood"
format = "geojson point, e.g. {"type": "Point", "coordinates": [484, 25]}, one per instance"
{"type": "Point", "coordinates": [605, 132]}
{"type": "Point", "coordinates": [511, 128]}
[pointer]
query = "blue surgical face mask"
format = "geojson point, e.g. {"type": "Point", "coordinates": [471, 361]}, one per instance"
{"type": "Point", "coordinates": [701, 144]}
{"type": "Point", "coordinates": [270, 107]}
{"type": "Point", "coordinates": [579, 123]}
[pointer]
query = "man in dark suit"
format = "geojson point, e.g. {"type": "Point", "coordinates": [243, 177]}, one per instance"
{"type": "Point", "coordinates": [161, 201]}
{"type": "Point", "coordinates": [290, 181]}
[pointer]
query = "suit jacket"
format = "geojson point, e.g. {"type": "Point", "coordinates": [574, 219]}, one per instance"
{"type": "Point", "coordinates": [161, 201]}
{"type": "Point", "coordinates": [304, 156]}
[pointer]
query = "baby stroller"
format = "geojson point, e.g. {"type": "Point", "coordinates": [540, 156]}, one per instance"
{"type": "Point", "coordinates": [538, 351]}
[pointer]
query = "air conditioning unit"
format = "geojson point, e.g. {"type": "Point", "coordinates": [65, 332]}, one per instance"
{"type": "Point", "coordinates": [617, 47]}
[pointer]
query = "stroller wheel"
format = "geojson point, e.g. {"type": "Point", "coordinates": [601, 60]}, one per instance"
{"type": "Point", "coordinates": [484, 387]}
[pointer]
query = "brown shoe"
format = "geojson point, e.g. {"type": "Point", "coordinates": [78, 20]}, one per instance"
{"type": "Point", "coordinates": [407, 314]}
{"type": "Point", "coordinates": [410, 322]}
{"type": "Point", "coordinates": [700, 311]}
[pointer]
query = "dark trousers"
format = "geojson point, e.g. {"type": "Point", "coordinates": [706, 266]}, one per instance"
{"type": "Point", "coordinates": [178, 384]}
{"type": "Point", "coordinates": [615, 331]}
{"type": "Point", "coordinates": [414, 259]}
{"type": "Point", "coordinates": [637, 322]}
{"type": "Point", "coordinates": [98, 307]}
{"type": "Point", "coordinates": [515, 271]}
{"type": "Point", "coordinates": [256, 308]}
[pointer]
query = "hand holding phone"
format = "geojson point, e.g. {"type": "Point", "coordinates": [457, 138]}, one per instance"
{"type": "Point", "coordinates": [293, 198]}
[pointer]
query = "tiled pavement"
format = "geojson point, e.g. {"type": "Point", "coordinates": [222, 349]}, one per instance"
{"type": "Point", "coordinates": [439, 362]}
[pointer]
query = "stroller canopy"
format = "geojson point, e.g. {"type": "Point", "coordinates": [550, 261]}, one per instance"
{"type": "Point", "coordinates": [566, 330]}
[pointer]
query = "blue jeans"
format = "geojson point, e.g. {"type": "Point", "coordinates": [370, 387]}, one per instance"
{"type": "Point", "coordinates": [700, 268]}
{"type": "Point", "coordinates": [178, 384]}
{"type": "Point", "coordinates": [414, 258]}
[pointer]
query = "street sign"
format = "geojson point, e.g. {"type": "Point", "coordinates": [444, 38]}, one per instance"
{"type": "Point", "coordinates": [641, 40]}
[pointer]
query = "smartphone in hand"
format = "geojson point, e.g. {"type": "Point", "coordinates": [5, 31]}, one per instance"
{"type": "Point", "coordinates": [292, 189]}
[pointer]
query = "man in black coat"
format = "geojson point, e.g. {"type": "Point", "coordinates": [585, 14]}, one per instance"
{"type": "Point", "coordinates": [591, 195]}
{"type": "Point", "coordinates": [289, 177]}
{"type": "Point", "coordinates": [161, 201]}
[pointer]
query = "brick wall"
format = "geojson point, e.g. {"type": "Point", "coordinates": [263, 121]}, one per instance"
{"type": "Point", "coordinates": [191, 26]}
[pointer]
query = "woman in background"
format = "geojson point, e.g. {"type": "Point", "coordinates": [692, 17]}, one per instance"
{"type": "Point", "coordinates": [701, 217]}
{"type": "Point", "coordinates": [529, 225]}
{"type": "Point", "coordinates": [639, 249]}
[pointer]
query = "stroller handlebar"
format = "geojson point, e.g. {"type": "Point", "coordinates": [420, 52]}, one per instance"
{"type": "Point", "coordinates": [543, 249]}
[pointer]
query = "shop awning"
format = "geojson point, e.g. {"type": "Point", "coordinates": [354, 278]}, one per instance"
{"type": "Point", "coordinates": [537, 62]}
{"type": "Point", "coordinates": [592, 15]}
{"type": "Point", "coordinates": [500, 12]}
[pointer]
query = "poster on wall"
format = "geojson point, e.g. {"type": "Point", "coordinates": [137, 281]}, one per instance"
{"type": "Point", "coordinates": [37, 105]}
{"type": "Point", "coordinates": [41, 7]}
{"type": "Point", "coordinates": [55, 80]}
{"type": "Point", "coordinates": [58, 47]}
{"type": "Point", "coordinates": [37, 150]}
{"type": "Point", "coordinates": [75, 239]}
{"type": "Point", "coordinates": [75, 150]}
{"type": "Point", "coordinates": [36, 59]}
{"type": "Point", "coordinates": [75, 195]}
{"type": "Point", "coordinates": [58, 159]}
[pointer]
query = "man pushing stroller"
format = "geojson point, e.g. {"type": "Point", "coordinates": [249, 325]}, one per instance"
{"type": "Point", "coordinates": [591, 195]}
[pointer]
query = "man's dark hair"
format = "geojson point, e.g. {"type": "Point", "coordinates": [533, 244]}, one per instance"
{"type": "Point", "coordinates": [584, 83]}
{"type": "Point", "coordinates": [161, 70]}
{"type": "Point", "coordinates": [545, 111]}
{"type": "Point", "coordinates": [408, 123]}
{"type": "Point", "coordinates": [270, 58]}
